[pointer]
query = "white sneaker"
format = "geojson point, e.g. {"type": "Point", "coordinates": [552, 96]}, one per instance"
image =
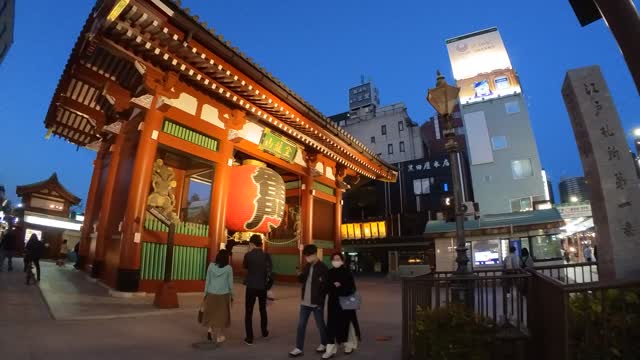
{"type": "Point", "coordinates": [295, 353]}
{"type": "Point", "coordinates": [321, 349]}
{"type": "Point", "coordinates": [348, 349]}
{"type": "Point", "coordinates": [332, 349]}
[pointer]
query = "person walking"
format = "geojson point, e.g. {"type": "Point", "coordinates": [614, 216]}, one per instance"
{"type": "Point", "coordinates": [33, 253]}
{"type": "Point", "coordinates": [8, 247]}
{"type": "Point", "coordinates": [588, 253]}
{"type": "Point", "coordinates": [511, 266]}
{"type": "Point", "coordinates": [340, 321]}
{"type": "Point", "coordinates": [216, 309]}
{"type": "Point", "coordinates": [76, 252]}
{"type": "Point", "coordinates": [64, 252]}
{"type": "Point", "coordinates": [314, 279]}
{"type": "Point", "coordinates": [258, 265]}
{"type": "Point", "coordinates": [526, 261]}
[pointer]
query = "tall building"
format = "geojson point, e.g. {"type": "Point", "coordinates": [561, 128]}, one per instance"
{"type": "Point", "coordinates": [7, 15]}
{"type": "Point", "coordinates": [574, 189]}
{"type": "Point", "coordinates": [504, 161]}
{"type": "Point", "coordinates": [387, 130]}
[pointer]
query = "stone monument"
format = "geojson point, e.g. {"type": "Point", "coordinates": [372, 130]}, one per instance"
{"type": "Point", "coordinates": [610, 170]}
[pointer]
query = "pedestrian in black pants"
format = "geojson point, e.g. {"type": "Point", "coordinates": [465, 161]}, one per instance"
{"type": "Point", "coordinates": [33, 253]}
{"type": "Point", "coordinates": [258, 265]}
{"type": "Point", "coordinates": [8, 247]}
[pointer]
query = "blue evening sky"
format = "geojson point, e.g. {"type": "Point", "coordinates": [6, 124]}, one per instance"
{"type": "Point", "coordinates": [320, 49]}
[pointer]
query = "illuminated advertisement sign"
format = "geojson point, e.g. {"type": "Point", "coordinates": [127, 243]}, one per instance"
{"type": "Point", "coordinates": [488, 86]}
{"type": "Point", "coordinates": [477, 53]}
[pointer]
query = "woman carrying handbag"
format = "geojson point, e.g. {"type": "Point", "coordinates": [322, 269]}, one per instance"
{"type": "Point", "coordinates": [216, 307]}
{"type": "Point", "coordinates": [342, 321]}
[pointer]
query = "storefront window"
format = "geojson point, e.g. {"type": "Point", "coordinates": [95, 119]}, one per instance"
{"type": "Point", "coordinates": [546, 247]}
{"type": "Point", "coordinates": [486, 252]}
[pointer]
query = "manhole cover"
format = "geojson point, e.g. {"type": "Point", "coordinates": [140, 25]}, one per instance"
{"type": "Point", "coordinates": [205, 345]}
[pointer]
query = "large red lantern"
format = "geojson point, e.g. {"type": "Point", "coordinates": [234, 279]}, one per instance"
{"type": "Point", "coordinates": [256, 198]}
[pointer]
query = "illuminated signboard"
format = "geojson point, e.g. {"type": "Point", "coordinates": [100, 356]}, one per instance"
{"type": "Point", "coordinates": [382, 229]}
{"type": "Point", "coordinates": [29, 232]}
{"type": "Point", "coordinates": [488, 86]}
{"type": "Point", "coordinates": [477, 53]}
{"type": "Point", "coordinates": [373, 230]}
{"type": "Point", "coordinates": [366, 228]}
{"type": "Point", "coordinates": [357, 231]}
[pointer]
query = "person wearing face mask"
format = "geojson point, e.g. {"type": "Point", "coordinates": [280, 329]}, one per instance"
{"type": "Point", "coordinates": [314, 292]}
{"type": "Point", "coordinates": [339, 321]}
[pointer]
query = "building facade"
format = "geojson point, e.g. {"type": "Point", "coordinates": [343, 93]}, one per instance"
{"type": "Point", "coordinates": [388, 130]}
{"type": "Point", "coordinates": [505, 165]}
{"type": "Point", "coordinates": [7, 18]}
{"type": "Point", "coordinates": [574, 190]}
{"type": "Point", "coordinates": [189, 128]}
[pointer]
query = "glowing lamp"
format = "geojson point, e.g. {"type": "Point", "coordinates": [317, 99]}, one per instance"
{"type": "Point", "coordinates": [256, 199]}
{"type": "Point", "coordinates": [443, 97]}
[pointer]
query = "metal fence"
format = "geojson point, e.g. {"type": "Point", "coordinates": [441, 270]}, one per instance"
{"type": "Point", "coordinates": [498, 297]}
{"type": "Point", "coordinates": [583, 320]}
{"type": "Point", "coordinates": [572, 273]}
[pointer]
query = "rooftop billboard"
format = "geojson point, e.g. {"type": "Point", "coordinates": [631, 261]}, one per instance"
{"type": "Point", "coordinates": [477, 53]}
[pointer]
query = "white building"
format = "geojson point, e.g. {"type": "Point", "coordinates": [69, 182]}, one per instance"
{"type": "Point", "coordinates": [7, 15]}
{"type": "Point", "coordinates": [387, 130]}
{"type": "Point", "coordinates": [505, 166]}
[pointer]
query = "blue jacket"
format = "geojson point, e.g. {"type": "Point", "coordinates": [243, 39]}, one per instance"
{"type": "Point", "coordinates": [219, 280]}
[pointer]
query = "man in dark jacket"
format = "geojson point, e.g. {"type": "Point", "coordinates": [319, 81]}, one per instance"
{"type": "Point", "coordinates": [314, 292]}
{"type": "Point", "coordinates": [258, 265]}
{"type": "Point", "coordinates": [33, 253]}
{"type": "Point", "coordinates": [8, 247]}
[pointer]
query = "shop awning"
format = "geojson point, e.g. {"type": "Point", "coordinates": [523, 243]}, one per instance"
{"type": "Point", "coordinates": [51, 221]}
{"type": "Point", "coordinates": [511, 222]}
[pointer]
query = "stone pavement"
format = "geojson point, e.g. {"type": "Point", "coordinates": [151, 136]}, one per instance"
{"type": "Point", "coordinates": [79, 319]}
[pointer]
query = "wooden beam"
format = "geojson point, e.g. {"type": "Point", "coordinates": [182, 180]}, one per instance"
{"type": "Point", "coordinates": [96, 116]}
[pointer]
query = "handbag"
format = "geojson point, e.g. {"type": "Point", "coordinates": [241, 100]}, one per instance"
{"type": "Point", "coordinates": [351, 302]}
{"type": "Point", "coordinates": [201, 312]}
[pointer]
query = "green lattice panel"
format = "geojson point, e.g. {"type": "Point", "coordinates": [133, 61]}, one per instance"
{"type": "Point", "coordinates": [189, 263]}
{"type": "Point", "coordinates": [189, 135]}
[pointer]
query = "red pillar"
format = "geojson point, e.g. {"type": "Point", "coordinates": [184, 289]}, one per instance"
{"type": "Point", "coordinates": [90, 212]}
{"type": "Point", "coordinates": [219, 196]}
{"type": "Point", "coordinates": [105, 205]}
{"type": "Point", "coordinates": [130, 246]}
{"type": "Point", "coordinates": [337, 234]}
{"type": "Point", "coordinates": [307, 209]}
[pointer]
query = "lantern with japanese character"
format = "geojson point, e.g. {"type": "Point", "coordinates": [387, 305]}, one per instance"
{"type": "Point", "coordinates": [256, 198]}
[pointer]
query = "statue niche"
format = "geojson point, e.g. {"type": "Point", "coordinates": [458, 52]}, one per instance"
{"type": "Point", "coordinates": [163, 198]}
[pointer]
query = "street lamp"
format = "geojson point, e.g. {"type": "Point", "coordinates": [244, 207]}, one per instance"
{"type": "Point", "coordinates": [444, 98]}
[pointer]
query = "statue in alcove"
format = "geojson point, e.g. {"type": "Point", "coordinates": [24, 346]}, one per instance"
{"type": "Point", "coordinates": [163, 198]}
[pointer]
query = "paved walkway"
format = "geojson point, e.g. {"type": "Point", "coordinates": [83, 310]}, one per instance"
{"type": "Point", "coordinates": [79, 319]}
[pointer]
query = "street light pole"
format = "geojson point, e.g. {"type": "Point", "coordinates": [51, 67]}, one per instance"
{"type": "Point", "coordinates": [452, 148]}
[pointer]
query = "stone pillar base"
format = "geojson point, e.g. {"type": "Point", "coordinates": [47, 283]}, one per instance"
{"type": "Point", "coordinates": [128, 280]}
{"type": "Point", "coordinates": [166, 296]}
{"type": "Point", "coordinates": [96, 268]}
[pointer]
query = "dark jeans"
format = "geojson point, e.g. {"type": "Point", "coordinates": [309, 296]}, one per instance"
{"type": "Point", "coordinates": [9, 255]}
{"type": "Point", "coordinates": [36, 264]}
{"type": "Point", "coordinates": [318, 314]}
{"type": "Point", "coordinates": [250, 301]}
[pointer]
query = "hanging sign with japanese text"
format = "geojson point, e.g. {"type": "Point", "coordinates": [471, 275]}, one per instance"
{"type": "Point", "coordinates": [278, 146]}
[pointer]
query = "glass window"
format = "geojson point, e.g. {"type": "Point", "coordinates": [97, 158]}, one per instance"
{"type": "Point", "coordinates": [400, 125]}
{"type": "Point", "coordinates": [422, 186]}
{"type": "Point", "coordinates": [486, 252]}
{"type": "Point", "coordinates": [521, 169]}
{"type": "Point", "coordinates": [195, 206]}
{"type": "Point", "coordinates": [499, 142]}
{"type": "Point", "coordinates": [401, 146]}
{"type": "Point", "coordinates": [546, 247]}
{"type": "Point", "coordinates": [521, 204]}
{"type": "Point", "coordinates": [390, 149]}
{"type": "Point", "coordinates": [512, 107]}
{"type": "Point", "coordinates": [383, 129]}
{"type": "Point", "coordinates": [373, 139]}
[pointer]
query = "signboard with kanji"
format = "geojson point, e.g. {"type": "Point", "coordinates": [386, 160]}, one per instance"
{"type": "Point", "coordinates": [610, 170]}
{"type": "Point", "coordinates": [278, 146]}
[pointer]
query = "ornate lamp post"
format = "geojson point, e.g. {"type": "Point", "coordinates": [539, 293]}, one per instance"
{"type": "Point", "coordinates": [444, 98]}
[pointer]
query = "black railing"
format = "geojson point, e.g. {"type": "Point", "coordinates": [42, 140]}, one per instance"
{"type": "Point", "coordinates": [498, 301]}
{"type": "Point", "coordinates": [588, 320]}
{"type": "Point", "coordinates": [572, 273]}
